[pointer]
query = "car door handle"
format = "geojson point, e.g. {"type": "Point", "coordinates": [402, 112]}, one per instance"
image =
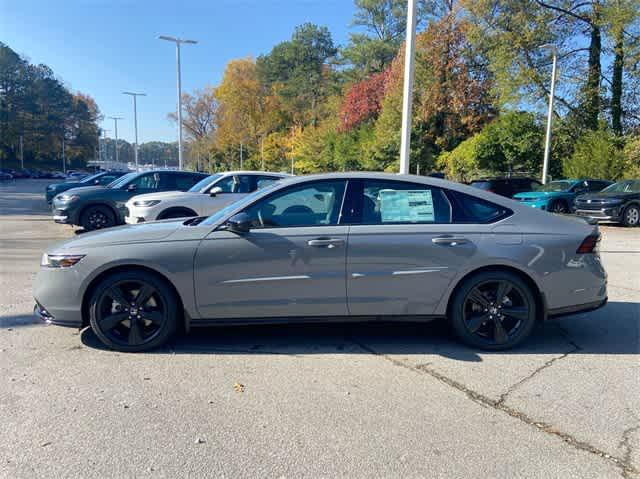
{"type": "Point", "coordinates": [448, 240]}
{"type": "Point", "coordinates": [326, 242]}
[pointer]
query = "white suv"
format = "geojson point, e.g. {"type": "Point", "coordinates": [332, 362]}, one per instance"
{"type": "Point", "coordinates": [203, 199]}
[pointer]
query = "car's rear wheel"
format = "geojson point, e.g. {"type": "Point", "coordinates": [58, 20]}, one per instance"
{"type": "Point", "coordinates": [559, 207]}
{"type": "Point", "coordinates": [493, 310]}
{"type": "Point", "coordinates": [631, 215]}
{"type": "Point", "coordinates": [97, 217]}
{"type": "Point", "coordinates": [133, 311]}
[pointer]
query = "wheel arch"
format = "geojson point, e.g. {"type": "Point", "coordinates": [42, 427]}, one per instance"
{"type": "Point", "coordinates": [171, 209]}
{"type": "Point", "coordinates": [182, 321]}
{"type": "Point", "coordinates": [541, 306]}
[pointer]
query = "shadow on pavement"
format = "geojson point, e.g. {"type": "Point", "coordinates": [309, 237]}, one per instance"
{"type": "Point", "coordinates": [610, 330]}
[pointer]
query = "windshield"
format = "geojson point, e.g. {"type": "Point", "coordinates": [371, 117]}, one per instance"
{"type": "Point", "coordinates": [217, 216]}
{"type": "Point", "coordinates": [629, 186]}
{"type": "Point", "coordinates": [555, 186]}
{"type": "Point", "coordinates": [89, 179]}
{"type": "Point", "coordinates": [122, 180]}
{"type": "Point", "coordinates": [202, 185]}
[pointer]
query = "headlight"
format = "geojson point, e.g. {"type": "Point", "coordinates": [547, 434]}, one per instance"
{"type": "Point", "coordinates": [67, 198]}
{"type": "Point", "coordinates": [60, 260]}
{"type": "Point", "coordinates": [146, 203]}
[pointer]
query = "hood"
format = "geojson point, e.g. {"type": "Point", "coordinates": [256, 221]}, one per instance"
{"type": "Point", "coordinates": [540, 194]}
{"type": "Point", "coordinates": [84, 190]}
{"type": "Point", "coordinates": [603, 195]}
{"type": "Point", "coordinates": [142, 233]}
{"type": "Point", "coordinates": [163, 195]}
{"type": "Point", "coordinates": [66, 185]}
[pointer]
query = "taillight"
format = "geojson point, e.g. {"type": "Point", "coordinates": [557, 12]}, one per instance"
{"type": "Point", "coordinates": [589, 245]}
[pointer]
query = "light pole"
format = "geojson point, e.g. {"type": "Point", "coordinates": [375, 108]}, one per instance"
{"type": "Point", "coordinates": [115, 123]}
{"type": "Point", "coordinates": [547, 141]}
{"type": "Point", "coordinates": [407, 90]}
{"type": "Point", "coordinates": [178, 41]}
{"type": "Point", "coordinates": [135, 121]}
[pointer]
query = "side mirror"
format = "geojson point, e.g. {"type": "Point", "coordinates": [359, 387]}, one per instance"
{"type": "Point", "coordinates": [214, 191]}
{"type": "Point", "coordinates": [239, 224]}
{"type": "Point", "coordinates": [131, 187]}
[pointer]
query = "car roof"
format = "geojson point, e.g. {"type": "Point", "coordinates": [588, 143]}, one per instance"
{"type": "Point", "coordinates": [250, 172]}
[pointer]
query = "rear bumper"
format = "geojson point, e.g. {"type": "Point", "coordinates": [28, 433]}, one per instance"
{"type": "Point", "coordinates": [581, 308]}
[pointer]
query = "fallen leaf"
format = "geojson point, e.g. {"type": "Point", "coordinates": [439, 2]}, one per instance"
{"type": "Point", "coordinates": [239, 388]}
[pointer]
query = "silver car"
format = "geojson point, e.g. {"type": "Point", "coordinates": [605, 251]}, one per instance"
{"type": "Point", "coordinates": [347, 247]}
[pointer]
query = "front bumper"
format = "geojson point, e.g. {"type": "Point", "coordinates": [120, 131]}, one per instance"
{"type": "Point", "coordinates": [540, 205]}
{"type": "Point", "coordinates": [58, 296]}
{"type": "Point", "coordinates": [602, 214]}
{"type": "Point", "coordinates": [133, 220]}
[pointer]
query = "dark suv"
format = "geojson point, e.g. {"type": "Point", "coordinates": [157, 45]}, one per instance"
{"type": "Point", "coordinates": [506, 186]}
{"type": "Point", "coordinates": [102, 178]}
{"type": "Point", "coordinates": [95, 207]}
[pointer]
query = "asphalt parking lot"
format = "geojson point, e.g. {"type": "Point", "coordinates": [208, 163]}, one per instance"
{"type": "Point", "coordinates": [331, 401]}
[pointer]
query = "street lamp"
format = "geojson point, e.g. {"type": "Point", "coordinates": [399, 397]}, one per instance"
{"type": "Point", "coordinates": [547, 141]}
{"type": "Point", "coordinates": [115, 122]}
{"type": "Point", "coordinates": [135, 121]}
{"type": "Point", "coordinates": [178, 41]}
{"type": "Point", "coordinates": [407, 89]}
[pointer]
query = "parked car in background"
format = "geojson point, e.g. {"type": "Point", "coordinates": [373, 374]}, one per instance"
{"type": "Point", "coordinates": [346, 246]}
{"type": "Point", "coordinates": [619, 203]}
{"type": "Point", "coordinates": [95, 207]}
{"type": "Point", "coordinates": [203, 199]}
{"type": "Point", "coordinates": [5, 176]}
{"type": "Point", "coordinates": [76, 175]}
{"type": "Point", "coordinates": [58, 175]}
{"type": "Point", "coordinates": [506, 186]}
{"type": "Point", "coordinates": [102, 178]}
{"type": "Point", "coordinates": [559, 196]}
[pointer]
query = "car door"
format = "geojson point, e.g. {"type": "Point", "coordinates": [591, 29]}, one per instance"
{"type": "Point", "coordinates": [404, 248]}
{"type": "Point", "coordinates": [291, 262]}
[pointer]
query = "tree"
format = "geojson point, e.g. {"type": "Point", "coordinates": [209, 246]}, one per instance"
{"type": "Point", "coordinates": [597, 154]}
{"type": "Point", "coordinates": [363, 100]}
{"type": "Point", "coordinates": [297, 71]}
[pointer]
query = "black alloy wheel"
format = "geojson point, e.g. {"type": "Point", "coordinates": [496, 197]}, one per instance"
{"type": "Point", "coordinates": [494, 310]}
{"type": "Point", "coordinates": [97, 217]}
{"type": "Point", "coordinates": [559, 207]}
{"type": "Point", "coordinates": [133, 311]}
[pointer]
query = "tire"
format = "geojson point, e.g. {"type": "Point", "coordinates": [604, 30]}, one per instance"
{"type": "Point", "coordinates": [177, 213]}
{"type": "Point", "coordinates": [631, 216]}
{"type": "Point", "coordinates": [559, 207]}
{"type": "Point", "coordinates": [486, 323]}
{"type": "Point", "coordinates": [124, 321]}
{"type": "Point", "coordinates": [97, 217]}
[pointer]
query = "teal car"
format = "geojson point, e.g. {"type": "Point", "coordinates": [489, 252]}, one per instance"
{"type": "Point", "coordinates": [559, 196]}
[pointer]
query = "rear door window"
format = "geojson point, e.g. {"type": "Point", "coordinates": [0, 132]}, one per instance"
{"type": "Point", "coordinates": [375, 202]}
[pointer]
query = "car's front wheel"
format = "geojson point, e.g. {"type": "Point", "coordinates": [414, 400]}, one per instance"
{"type": "Point", "coordinates": [493, 310]}
{"type": "Point", "coordinates": [631, 215]}
{"type": "Point", "coordinates": [133, 311]}
{"type": "Point", "coordinates": [559, 207]}
{"type": "Point", "coordinates": [97, 217]}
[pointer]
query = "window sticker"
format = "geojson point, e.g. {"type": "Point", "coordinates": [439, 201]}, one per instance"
{"type": "Point", "coordinates": [406, 206]}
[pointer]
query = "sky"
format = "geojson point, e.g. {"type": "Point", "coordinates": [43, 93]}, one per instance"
{"type": "Point", "coordinates": [102, 48]}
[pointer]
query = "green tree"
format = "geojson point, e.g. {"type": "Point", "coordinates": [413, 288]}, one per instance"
{"type": "Point", "coordinates": [597, 154]}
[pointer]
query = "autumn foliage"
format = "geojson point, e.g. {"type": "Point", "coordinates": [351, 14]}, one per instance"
{"type": "Point", "coordinates": [363, 100]}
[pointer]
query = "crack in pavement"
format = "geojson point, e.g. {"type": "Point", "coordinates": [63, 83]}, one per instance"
{"type": "Point", "coordinates": [625, 445]}
{"type": "Point", "coordinates": [623, 463]}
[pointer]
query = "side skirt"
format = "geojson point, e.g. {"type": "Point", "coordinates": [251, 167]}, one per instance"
{"type": "Point", "coordinates": [194, 323]}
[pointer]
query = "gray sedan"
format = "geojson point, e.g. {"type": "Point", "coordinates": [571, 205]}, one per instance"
{"type": "Point", "coordinates": [334, 247]}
